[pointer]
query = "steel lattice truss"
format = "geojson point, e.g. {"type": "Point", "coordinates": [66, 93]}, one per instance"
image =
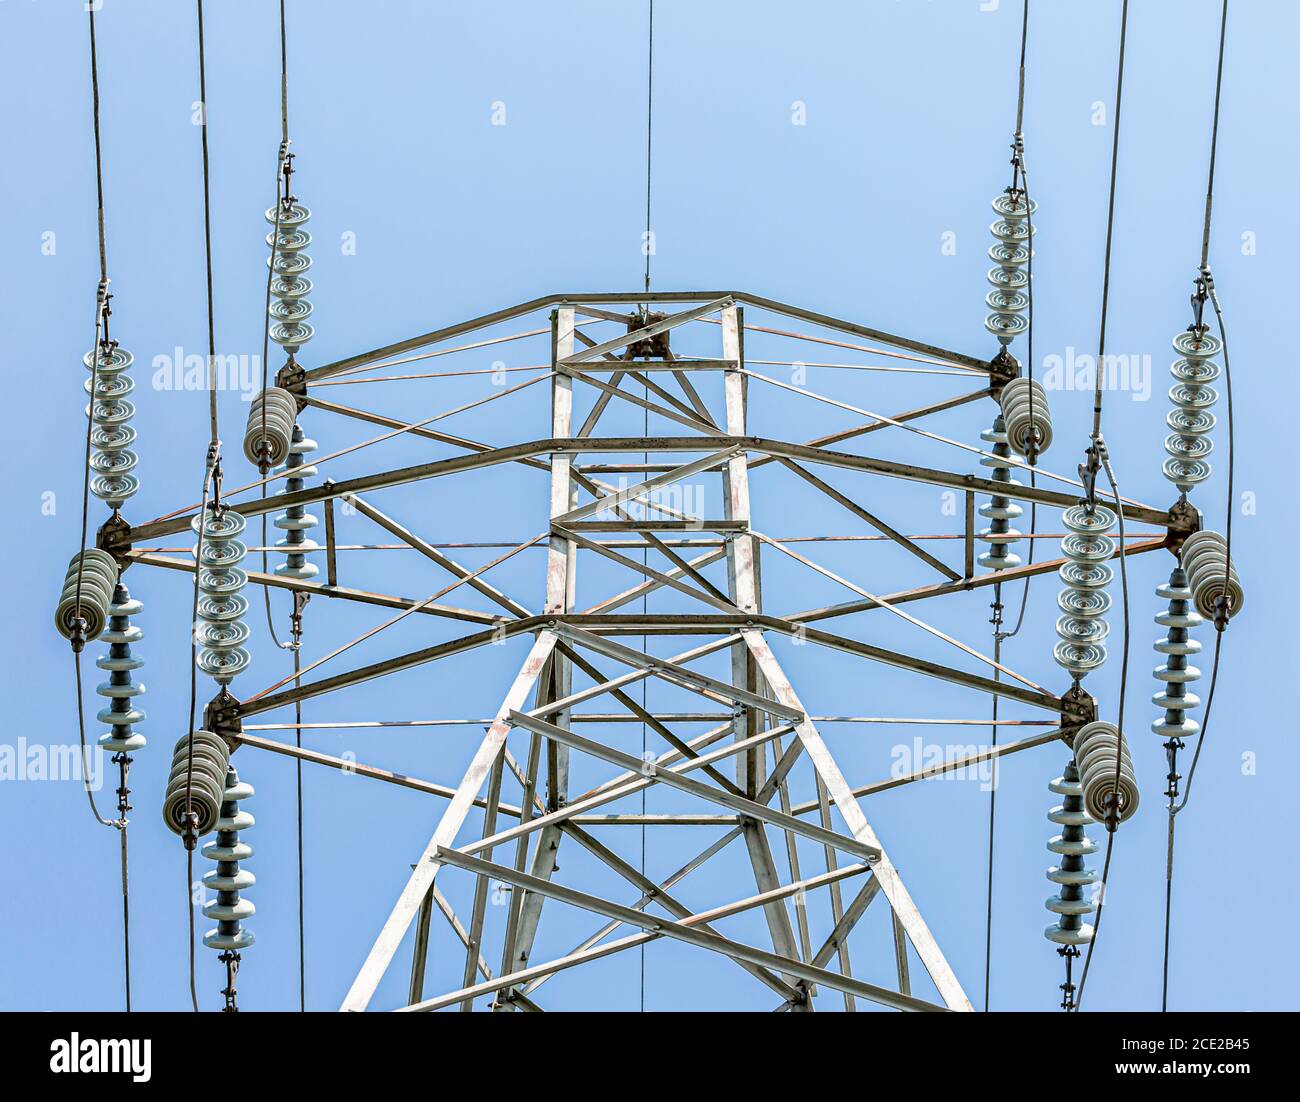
{"type": "Point", "coordinates": [741, 770]}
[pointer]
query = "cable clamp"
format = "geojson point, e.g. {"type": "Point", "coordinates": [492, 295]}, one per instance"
{"type": "Point", "coordinates": [1089, 469]}
{"type": "Point", "coordinates": [1017, 163]}
{"type": "Point", "coordinates": [190, 835]}
{"type": "Point", "coordinates": [286, 173]}
{"type": "Point", "coordinates": [1203, 284]}
{"type": "Point", "coordinates": [231, 960]}
{"type": "Point", "coordinates": [1222, 607]}
{"type": "Point", "coordinates": [78, 638]}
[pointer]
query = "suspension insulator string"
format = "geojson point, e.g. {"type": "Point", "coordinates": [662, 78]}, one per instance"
{"type": "Point", "coordinates": [92, 599]}
{"type": "Point", "coordinates": [222, 630]}
{"type": "Point", "coordinates": [1115, 808]}
{"type": "Point", "coordinates": [190, 829]}
{"type": "Point", "coordinates": [1083, 601]}
{"type": "Point", "coordinates": [283, 167]}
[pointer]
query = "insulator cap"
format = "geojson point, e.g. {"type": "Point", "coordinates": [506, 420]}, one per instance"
{"type": "Point", "coordinates": [228, 879]}
{"type": "Point", "coordinates": [290, 310]}
{"type": "Point", "coordinates": [1010, 252]}
{"type": "Point", "coordinates": [1071, 875]}
{"type": "Point", "coordinates": [999, 535]}
{"type": "Point", "coordinates": [1082, 627]}
{"type": "Point", "coordinates": [99, 573]}
{"type": "Point", "coordinates": [1210, 574]}
{"type": "Point", "coordinates": [1189, 445]}
{"type": "Point", "coordinates": [1096, 746]}
{"type": "Point", "coordinates": [111, 436]}
{"type": "Point", "coordinates": [120, 663]}
{"type": "Point", "coordinates": [219, 630]}
{"type": "Point", "coordinates": [270, 425]}
{"type": "Point", "coordinates": [1025, 409]}
{"type": "Point", "coordinates": [207, 773]}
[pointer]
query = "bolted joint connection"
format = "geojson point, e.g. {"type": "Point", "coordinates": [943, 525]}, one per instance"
{"type": "Point", "coordinates": [79, 635]}
{"type": "Point", "coordinates": [221, 717]}
{"type": "Point", "coordinates": [293, 378]}
{"type": "Point", "coordinates": [1078, 709]}
{"type": "Point", "coordinates": [114, 536]}
{"type": "Point", "coordinates": [652, 348]}
{"type": "Point", "coordinates": [1002, 369]}
{"type": "Point", "coordinates": [1184, 519]}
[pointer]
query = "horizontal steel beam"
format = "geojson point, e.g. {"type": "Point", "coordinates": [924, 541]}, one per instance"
{"type": "Point", "coordinates": [346, 765]}
{"type": "Point", "coordinates": [320, 589]}
{"type": "Point", "coordinates": [689, 934]}
{"type": "Point", "coordinates": [590, 631]}
{"type": "Point", "coordinates": [991, 753]}
{"type": "Point", "coordinates": [592, 949]}
{"type": "Point", "coordinates": [483, 321]}
{"type": "Point", "coordinates": [941, 589]}
{"type": "Point", "coordinates": [504, 630]}
{"type": "Point", "coordinates": [121, 540]}
{"type": "Point", "coordinates": [673, 779]}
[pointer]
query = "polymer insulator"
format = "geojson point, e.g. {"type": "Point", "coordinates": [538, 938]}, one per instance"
{"type": "Point", "coordinates": [119, 663]}
{"type": "Point", "coordinates": [1176, 672]}
{"type": "Point", "coordinates": [289, 285]}
{"type": "Point", "coordinates": [1072, 876]}
{"type": "Point", "coordinates": [270, 426]}
{"type": "Point", "coordinates": [1009, 298]}
{"type": "Point", "coordinates": [1083, 601]}
{"type": "Point", "coordinates": [98, 570]}
{"type": "Point", "coordinates": [1189, 444]}
{"type": "Point", "coordinates": [998, 510]}
{"type": "Point", "coordinates": [295, 521]}
{"type": "Point", "coordinates": [206, 771]}
{"type": "Point", "coordinates": [111, 434]}
{"type": "Point", "coordinates": [1096, 746]}
{"type": "Point", "coordinates": [1210, 573]}
{"type": "Point", "coordinates": [1027, 416]}
{"type": "Point", "coordinates": [220, 631]}
{"type": "Point", "coordinates": [228, 879]}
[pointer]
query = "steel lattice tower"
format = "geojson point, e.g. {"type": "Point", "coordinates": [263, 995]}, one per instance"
{"type": "Point", "coordinates": [742, 770]}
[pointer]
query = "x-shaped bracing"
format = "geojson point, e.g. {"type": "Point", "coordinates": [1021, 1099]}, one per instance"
{"type": "Point", "coordinates": [861, 842]}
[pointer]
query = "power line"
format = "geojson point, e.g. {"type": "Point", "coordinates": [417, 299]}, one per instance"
{"type": "Point", "coordinates": [1206, 281]}
{"type": "Point", "coordinates": [1214, 138]}
{"type": "Point", "coordinates": [78, 639]}
{"type": "Point", "coordinates": [1110, 227]}
{"type": "Point", "coordinates": [993, 793]}
{"type": "Point", "coordinates": [207, 232]}
{"type": "Point", "coordinates": [646, 246]}
{"type": "Point", "coordinates": [1020, 176]}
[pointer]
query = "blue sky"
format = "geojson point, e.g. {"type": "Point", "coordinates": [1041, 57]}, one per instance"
{"type": "Point", "coordinates": [909, 108]}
